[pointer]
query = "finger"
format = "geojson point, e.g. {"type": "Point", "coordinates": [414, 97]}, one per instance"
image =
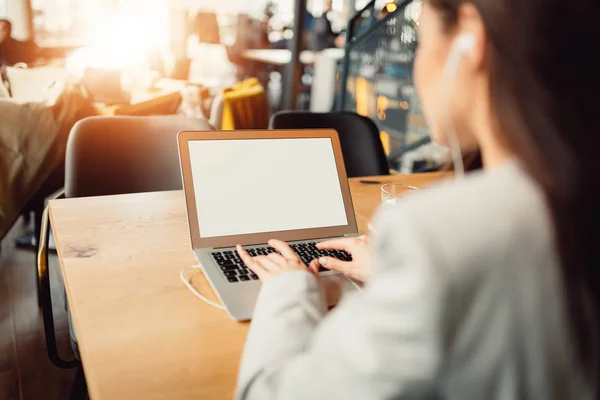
{"type": "Point", "coordinates": [277, 259]}
{"type": "Point", "coordinates": [267, 264]}
{"type": "Point", "coordinates": [314, 266]}
{"type": "Point", "coordinates": [337, 244]}
{"type": "Point", "coordinates": [285, 249]}
{"type": "Point", "coordinates": [335, 264]}
{"type": "Point", "coordinates": [259, 270]}
{"type": "Point", "coordinates": [246, 258]}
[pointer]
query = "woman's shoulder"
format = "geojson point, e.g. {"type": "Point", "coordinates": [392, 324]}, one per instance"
{"type": "Point", "coordinates": [477, 260]}
{"type": "Point", "coordinates": [472, 222]}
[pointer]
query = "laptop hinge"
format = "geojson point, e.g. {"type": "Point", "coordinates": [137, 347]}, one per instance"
{"type": "Point", "coordinates": [349, 235]}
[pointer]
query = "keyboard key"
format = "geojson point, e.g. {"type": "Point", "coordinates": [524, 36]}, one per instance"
{"type": "Point", "coordinates": [235, 270]}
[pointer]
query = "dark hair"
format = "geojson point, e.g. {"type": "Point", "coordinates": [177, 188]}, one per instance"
{"type": "Point", "coordinates": [6, 23]}
{"type": "Point", "coordinates": [544, 85]}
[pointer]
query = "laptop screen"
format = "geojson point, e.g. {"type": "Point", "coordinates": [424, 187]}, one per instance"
{"type": "Point", "coordinates": [247, 186]}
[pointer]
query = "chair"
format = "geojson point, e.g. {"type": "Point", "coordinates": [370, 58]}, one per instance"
{"type": "Point", "coordinates": [359, 138]}
{"type": "Point", "coordinates": [242, 106]}
{"type": "Point", "coordinates": [109, 156]}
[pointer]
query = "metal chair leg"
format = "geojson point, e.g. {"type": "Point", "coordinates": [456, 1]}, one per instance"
{"type": "Point", "coordinates": [79, 388]}
{"type": "Point", "coordinates": [46, 299]}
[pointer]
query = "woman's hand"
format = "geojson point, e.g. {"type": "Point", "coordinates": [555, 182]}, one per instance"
{"type": "Point", "coordinates": [274, 264]}
{"type": "Point", "coordinates": [360, 266]}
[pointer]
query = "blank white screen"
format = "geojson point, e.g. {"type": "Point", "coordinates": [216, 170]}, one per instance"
{"type": "Point", "coordinates": [265, 185]}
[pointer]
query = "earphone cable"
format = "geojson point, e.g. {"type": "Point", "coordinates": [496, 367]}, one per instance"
{"type": "Point", "coordinates": [188, 283]}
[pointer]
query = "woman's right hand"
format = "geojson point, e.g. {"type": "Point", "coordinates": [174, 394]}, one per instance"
{"type": "Point", "coordinates": [360, 266]}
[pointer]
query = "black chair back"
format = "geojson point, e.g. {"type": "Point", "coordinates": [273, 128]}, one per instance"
{"type": "Point", "coordinates": [118, 155]}
{"type": "Point", "coordinates": [108, 156]}
{"type": "Point", "coordinates": [359, 137]}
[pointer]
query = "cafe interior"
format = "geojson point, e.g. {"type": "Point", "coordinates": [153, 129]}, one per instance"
{"type": "Point", "coordinates": [93, 220]}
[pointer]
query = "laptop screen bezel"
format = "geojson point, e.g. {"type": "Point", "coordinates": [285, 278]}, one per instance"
{"type": "Point", "coordinates": [183, 139]}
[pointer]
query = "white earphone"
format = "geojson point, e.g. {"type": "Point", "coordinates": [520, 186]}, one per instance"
{"type": "Point", "coordinates": [462, 45]}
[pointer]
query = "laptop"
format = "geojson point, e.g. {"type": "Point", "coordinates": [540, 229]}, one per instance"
{"type": "Point", "coordinates": [247, 187]}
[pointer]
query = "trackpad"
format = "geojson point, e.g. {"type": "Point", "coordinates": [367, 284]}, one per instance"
{"type": "Point", "coordinates": [335, 286]}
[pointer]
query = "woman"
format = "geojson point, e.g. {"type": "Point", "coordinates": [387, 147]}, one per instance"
{"type": "Point", "coordinates": [485, 288]}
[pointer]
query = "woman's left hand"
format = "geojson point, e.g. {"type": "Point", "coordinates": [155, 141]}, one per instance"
{"type": "Point", "coordinates": [267, 267]}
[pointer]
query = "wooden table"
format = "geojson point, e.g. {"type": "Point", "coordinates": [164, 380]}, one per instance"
{"type": "Point", "coordinates": [278, 57]}
{"type": "Point", "coordinates": [141, 333]}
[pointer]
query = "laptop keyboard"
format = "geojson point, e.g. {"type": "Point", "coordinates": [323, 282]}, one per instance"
{"type": "Point", "coordinates": [235, 270]}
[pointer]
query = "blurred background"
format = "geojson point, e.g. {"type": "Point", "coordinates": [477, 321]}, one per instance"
{"type": "Point", "coordinates": [127, 54]}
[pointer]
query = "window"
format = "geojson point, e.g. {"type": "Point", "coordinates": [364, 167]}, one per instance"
{"type": "Point", "coordinates": [71, 23]}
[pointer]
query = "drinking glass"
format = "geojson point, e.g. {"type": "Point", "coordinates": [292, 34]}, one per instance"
{"type": "Point", "coordinates": [393, 192]}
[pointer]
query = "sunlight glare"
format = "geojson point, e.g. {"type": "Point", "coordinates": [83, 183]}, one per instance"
{"type": "Point", "coordinates": [125, 38]}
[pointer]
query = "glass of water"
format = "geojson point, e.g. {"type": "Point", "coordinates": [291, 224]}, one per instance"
{"type": "Point", "coordinates": [393, 192]}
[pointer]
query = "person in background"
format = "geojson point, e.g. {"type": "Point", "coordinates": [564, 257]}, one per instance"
{"type": "Point", "coordinates": [13, 51]}
{"type": "Point", "coordinates": [487, 287]}
{"type": "Point", "coordinates": [33, 141]}
{"type": "Point", "coordinates": [309, 21]}
{"type": "Point", "coordinates": [323, 36]}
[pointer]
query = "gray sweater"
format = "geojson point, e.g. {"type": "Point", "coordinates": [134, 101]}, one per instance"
{"type": "Point", "coordinates": [465, 302]}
